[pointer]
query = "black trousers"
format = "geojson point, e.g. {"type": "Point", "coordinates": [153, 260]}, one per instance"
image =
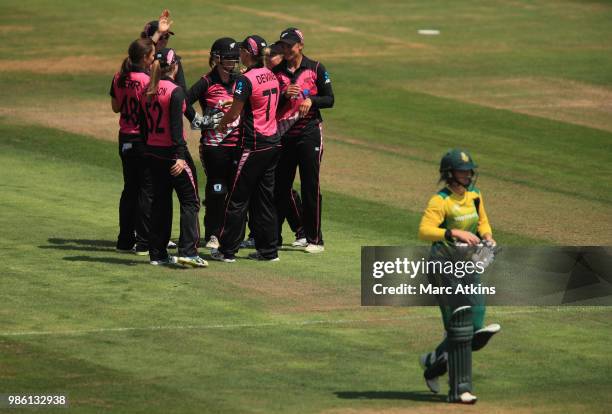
{"type": "Point", "coordinates": [219, 164]}
{"type": "Point", "coordinates": [252, 190]}
{"type": "Point", "coordinates": [136, 197]}
{"type": "Point", "coordinates": [186, 187]}
{"type": "Point", "coordinates": [304, 152]}
{"type": "Point", "coordinates": [293, 216]}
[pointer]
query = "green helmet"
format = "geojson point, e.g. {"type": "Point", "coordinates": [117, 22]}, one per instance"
{"type": "Point", "coordinates": [457, 159]}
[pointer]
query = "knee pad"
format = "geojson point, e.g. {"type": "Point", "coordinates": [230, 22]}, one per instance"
{"type": "Point", "coordinates": [460, 327]}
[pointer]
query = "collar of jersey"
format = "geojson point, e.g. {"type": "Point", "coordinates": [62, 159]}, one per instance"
{"type": "Point", "coordinates": [303, 64]}
{"type": "Point", "coordinates": [216, 78]}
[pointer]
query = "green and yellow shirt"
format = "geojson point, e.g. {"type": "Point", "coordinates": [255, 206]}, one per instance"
{"type": "Point", "coordinates": [448, 210]}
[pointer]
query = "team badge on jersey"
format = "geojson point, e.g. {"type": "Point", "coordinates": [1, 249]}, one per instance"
{"type": "Point", "coordinates": [239, 86]}
{"type": "Point", "coordinates": [326, 76]}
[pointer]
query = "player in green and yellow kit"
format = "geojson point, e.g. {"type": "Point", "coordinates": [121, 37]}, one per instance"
{"type": "Point", "coordinates": [456, 214]}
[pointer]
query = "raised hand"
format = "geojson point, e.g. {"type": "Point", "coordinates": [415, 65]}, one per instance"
{"type": "Point", "coordinates": [164, 21]}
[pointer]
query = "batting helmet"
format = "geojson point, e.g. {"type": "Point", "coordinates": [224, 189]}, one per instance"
{"type": "Point", "coordinates": [456, 159]}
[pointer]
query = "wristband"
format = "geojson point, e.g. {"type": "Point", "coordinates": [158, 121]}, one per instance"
{"type": "Point", "coordinates": [448, 235]}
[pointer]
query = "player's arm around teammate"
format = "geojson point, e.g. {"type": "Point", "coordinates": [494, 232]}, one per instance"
{"type": "Point", "coordinates": [255, 101]}
{"type": "Point", "coordinates": [135, 202]}
{"type": "Point", "coordinates": [305, 89]}
{"type": "Point", "coordinates": [456, 213]}
{"type": "Point", "coordinates": [218, 151]}
{"type": "Point", "coordinates": [170, 164]}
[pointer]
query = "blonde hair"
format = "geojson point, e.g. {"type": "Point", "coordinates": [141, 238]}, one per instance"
{"type": "Point", "coordinates": [156, 73]}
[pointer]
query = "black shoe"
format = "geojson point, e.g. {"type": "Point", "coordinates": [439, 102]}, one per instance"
{"type": "Point", "coordinates": [220, 257]}
{"type": "Point", "coordinates": [247, 244]}
{"type": "Point", "coordinates": [258, 256]}
{"type": "Point", "coordinates": [482, 336]}
{"type": "Point", "coordinates": [125, 249]}
{"type": "Point", "coordinates": [141, 250]}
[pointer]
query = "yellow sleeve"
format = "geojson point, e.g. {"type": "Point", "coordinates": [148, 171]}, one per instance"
{"type": "Point", "coordinates": [429, 229]}
{"type": "Point", "coordinates": [483, 221]}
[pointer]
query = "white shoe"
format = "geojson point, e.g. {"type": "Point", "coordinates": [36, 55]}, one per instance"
{"type": "Point", "coordinates": [171, 245]}
{"type": "Point", "coordinates": [220, 257]}
{"type": "Point", "coordinates": [467, 398]}
{"type": "Point", "coordinates": [193, 261]}
{"type": "Point", "coordinates": [213, 243]}
{"type": "Point", "coordinates": [314, 248]}
{"type": "Point", "coordinates": [300, 242]}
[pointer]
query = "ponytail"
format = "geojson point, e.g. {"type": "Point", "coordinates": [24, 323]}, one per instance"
{"type": "Point", "coordinates": [259, 61]}
{"type": "Point", "coordinates": [126, 68]}
{"type": "Point", "coordinates": [265, 54]}
{"type": "Point", "coordinates": [157, 71]}
{"type": "Point", "coordinates": [155, 77]}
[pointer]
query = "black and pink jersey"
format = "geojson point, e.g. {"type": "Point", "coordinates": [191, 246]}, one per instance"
{"type": "Point", "coordinates": [212, 93]}
{"type": "Point", "coordinates": [315, 83]}
{"type": "Point", "coordinates": [162, 121]}
{"type": "Point", "coordinates": [129, 95]}
{"type": "Point", "coordinates": [259, 90]}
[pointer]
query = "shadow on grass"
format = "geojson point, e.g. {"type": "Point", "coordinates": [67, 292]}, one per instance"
{"type": "Point", "coordinates": [108, 260]}
{"type": "Point", "coordinates": [84, 245]}
{"type": "Point", "coordinates": [391, 395]}
{"type": "Point", "coordinates": [79, 248]}
{"type": "Point", "coordinates": [83, 242]}
{"type": "Point", "coordinates": [118, 261]}
{"type": "Point", "coordinates": [283, 248]}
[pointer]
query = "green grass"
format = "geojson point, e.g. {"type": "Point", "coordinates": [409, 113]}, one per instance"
{"type": "Point", "coordinates": [61, 275]}
{"type": "Point", "coordinates": [117, 334]}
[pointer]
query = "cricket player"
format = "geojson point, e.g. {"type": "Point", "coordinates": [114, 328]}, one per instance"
{"type": "Point", "coordinates": [456, 213]}
{"type": "Point", "coordinates": [218, 151]}
{"type": "Point", "coordinates": [135, 203]}
{"type": "Point", "coordinates": [256, 97]}
{"type": "Point", "coordinates": [305, 90]}
{"type": "Point", "coordinates": [273, 58]}
{"type": "Point", "coordinates": [170, 163]}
